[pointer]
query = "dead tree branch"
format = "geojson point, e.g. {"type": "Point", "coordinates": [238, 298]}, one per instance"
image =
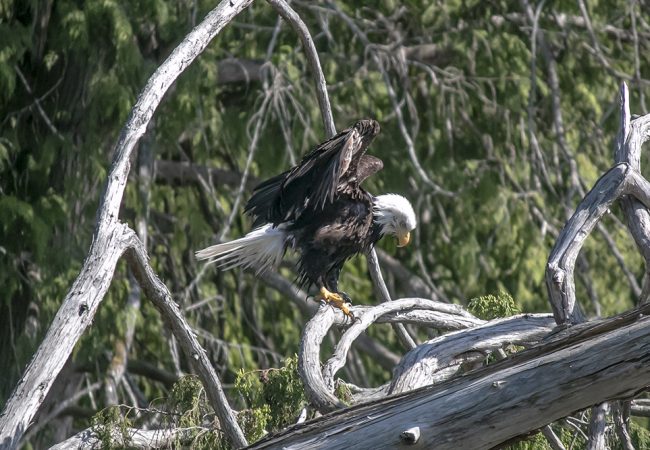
{"type": "Point", "coordinates": [620, 180]}
{"type": "Point", "coordinates": [158, 293]}
{"type": "Point", "coordinates": [319, 384]}
{"type": "Point", "coordinates": [443, 357]}
{"type": "Point", "coordinates": [130, 438]}
{"type": "Point", "coordinates": [110, 240]}
{"type": "Point", "coordinates": [623, 181]}
{"type": "Point", "coordinates": [596, 361]}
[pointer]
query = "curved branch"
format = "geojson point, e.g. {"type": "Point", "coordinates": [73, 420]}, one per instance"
{"type": "Point", "coordinates": [620, 180]}
{"type": "Point", "coordinates": [631, 136]}
{"type": "Point", "coordinates": [160, 296]}
{"type": "Point", "coordinates": [443, 357]}
{"type": "Point", "coordinates": [110, 239]}
{"type": "Point", "coordinates": [300, 28]}
{"type": "Point", "coordinates": [161, 80]}
{"type": "Point", "coordinates": [595, 361]}
{"type": "Point", "coordinates": [319, 384]}
{"type": "Point", "coordinates": [399, 307]}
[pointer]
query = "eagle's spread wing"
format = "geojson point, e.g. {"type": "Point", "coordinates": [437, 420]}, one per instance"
{"type": "Point", "coordinates": [317, 176]}
{"type": "Point", "coordinates": [314, 182]}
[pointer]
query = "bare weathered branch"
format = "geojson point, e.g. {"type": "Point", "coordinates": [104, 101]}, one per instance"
{"type": "Point", "coordinates": [443, 357]}
{"type": "Point", "coordinates": [319, 383]}
{"type": "Point", "coordinates": [597, 427]}
{"type": "Point", "coordinates": [131, 438]}
{"type": "Point", "coordinates": [300, 28]}
{"type": "Point", "coordinates": [110, 240]}
{"type": "Point", "coordinates": [630, 139]}
{"type": "Point", "coordinates": [620, 180]}
{"type": "Point", "coordinates": [158, 293]}
{"type": "Point", "coordinates": [607, 360]}
{"type": "Point", "coordinates": [621, 416]}
{"type": "Point", "coordinates": [623, 181]}
{"type": "Point", "coordinates": [552, 439]}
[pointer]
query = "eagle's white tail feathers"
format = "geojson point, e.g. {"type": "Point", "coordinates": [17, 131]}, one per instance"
{"type": "Point", "coordinates": [260, 249]}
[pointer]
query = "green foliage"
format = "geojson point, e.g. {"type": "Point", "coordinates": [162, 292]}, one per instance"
{"type": "Point", "coordinates": [342, 391]}
{"type": "Point", "coordinates": [274, 397]}
{"type": "Point", "coordinates": [569, 437]}
{"type": "Point", "coordinates": [111, 427]}
{"type": "Point", "coordinates": [534, 442]}
{"type": "Point", "coordinates": [489, 307]}
{"type": "Point", "coordinates": [639, 434]}
{"type": "Point", "coordinates": [187, 399]}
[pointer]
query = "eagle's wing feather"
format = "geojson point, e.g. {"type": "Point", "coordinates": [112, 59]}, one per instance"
{"type": "Point", "coordinates": [368, 165]}
{"type": "Point", "coordinates": [264, 195]}
{"type": "Point", "coordinates": [309, 185]}
{"type": "Point", "coordinates": [331, 166]}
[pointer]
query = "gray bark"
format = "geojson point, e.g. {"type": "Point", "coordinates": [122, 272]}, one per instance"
{"type": "Point", "coordinates": [445, 356]}
{"type": "Point", "coordinates": [575, 369]}
{"type": "Point", "coordinates": [112, 239]}
{"type": "Point", "coordinates": [130, 438]}
{"type": "Point", "coordinates": [624, 182]}
{"type": "Point", "coordinates": [319, 383]}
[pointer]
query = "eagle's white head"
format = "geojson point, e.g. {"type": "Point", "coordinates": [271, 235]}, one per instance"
{"type": "Point", "coordinates": [395, 216]}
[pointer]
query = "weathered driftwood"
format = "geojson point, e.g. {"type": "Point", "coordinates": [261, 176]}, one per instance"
{"type": "Point", "coordinates": [631, 136]}
{"type": "Point", "coordinates": [595, 361]}
{"type": "Point", "coordinates": [319, 383]}
{"type": "Point", "coordinates": [623, 181]}
{"type": "Point", "coordinates": [443, 357]}
{"type": "Point", "coordinates": [130, 438]}
{"type": "Point", "coordinates": [620, 180]}
{"type": "Point", "coordinates": [111, 239]}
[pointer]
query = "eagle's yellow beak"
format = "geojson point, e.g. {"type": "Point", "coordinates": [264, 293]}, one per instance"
{"type": "Point", "coordinates": [403, 239]}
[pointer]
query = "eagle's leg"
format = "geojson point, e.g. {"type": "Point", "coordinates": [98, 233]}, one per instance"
{"type": "Point", "coordinates": [335, 300]}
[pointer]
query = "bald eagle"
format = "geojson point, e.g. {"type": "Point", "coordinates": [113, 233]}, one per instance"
{"type": "Point", "coordinates": [319, 209]}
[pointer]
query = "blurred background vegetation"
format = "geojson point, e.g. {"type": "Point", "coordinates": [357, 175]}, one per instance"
{"type": "Point", "coordinates": [497, 116]}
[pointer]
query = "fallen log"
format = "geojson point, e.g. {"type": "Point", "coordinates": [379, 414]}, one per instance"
{"type": "Point", "coordinates": [573, 369]}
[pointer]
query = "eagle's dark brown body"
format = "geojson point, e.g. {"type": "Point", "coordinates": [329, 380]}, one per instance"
{"type": "Point", "coordinates": [326, 211]}
{"type": "Point", "coordinates": [319, 209]}
{"type": "Point", "coordinates": [330, 237]}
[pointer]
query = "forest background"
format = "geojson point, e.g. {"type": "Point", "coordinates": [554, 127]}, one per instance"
{"type": "Point", "coordinates": [496, 117]}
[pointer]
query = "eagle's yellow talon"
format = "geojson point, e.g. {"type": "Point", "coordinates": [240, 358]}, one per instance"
{"type": "Point", "coordinates": [334, 299]}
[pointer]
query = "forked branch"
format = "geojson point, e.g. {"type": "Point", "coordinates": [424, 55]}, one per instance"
{"type": "Point", "coordinates": [623, 181]}
{"type": "Point", "coordinates": [110, 240]}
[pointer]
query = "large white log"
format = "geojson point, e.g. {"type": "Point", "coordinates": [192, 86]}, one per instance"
{"type": "Point", "coordinates": [577, 368]}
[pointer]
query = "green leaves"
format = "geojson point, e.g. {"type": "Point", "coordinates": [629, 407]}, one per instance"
{"type": "Point", "coordinates": [274, 396]}
{"type": "Point", "coordinates": [490, 306]}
